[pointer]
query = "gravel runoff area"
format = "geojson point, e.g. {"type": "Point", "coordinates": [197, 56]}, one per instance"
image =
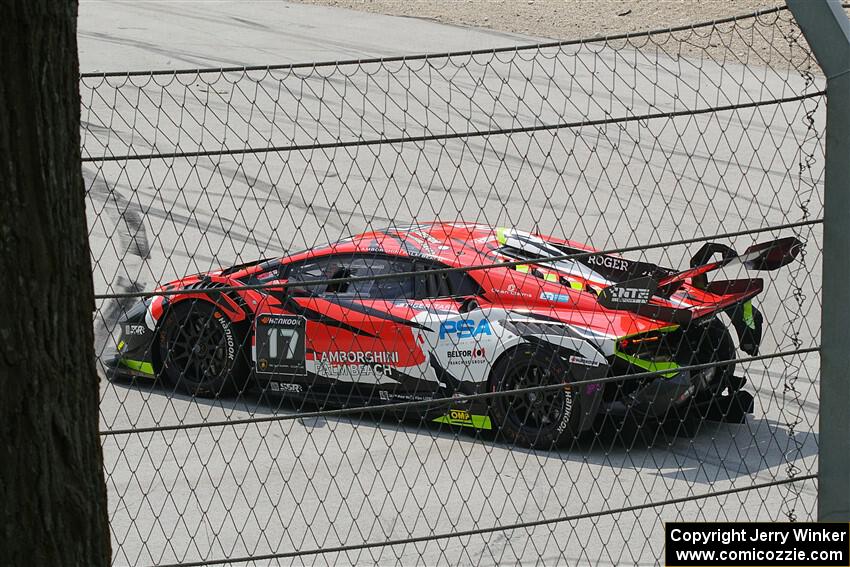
{"type": "Point", "coordinates": [576, 19]}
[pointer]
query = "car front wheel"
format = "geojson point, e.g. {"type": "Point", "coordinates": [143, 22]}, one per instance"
{"type": "Point", "coordinates": [200, 351]}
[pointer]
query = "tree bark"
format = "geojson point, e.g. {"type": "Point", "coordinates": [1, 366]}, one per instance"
{"type": "Point", "coordinates": [51, 468]}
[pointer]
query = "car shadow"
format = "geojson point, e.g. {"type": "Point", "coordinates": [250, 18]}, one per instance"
{"type": "Point", "coordinates": [712, 452]}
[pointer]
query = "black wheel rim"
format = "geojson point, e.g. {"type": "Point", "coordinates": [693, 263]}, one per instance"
{"type": "Point", "coordinates": [534, 410]}
{"type": "Point", "coordinates": [196, 349]}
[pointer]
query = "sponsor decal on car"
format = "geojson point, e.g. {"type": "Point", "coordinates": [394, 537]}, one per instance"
{"type": "Point", "coordinates": [463, 418]}
{"type": "Point", "coordinates": [629, 294]}
{"type": "Point", "coordinates": [134, 330]}
{"type": "Point", "coordinates": [567, 409]}
{"type": "Point", "coordinates": [359, 357]}
{"type": "Point", "coordinates": [355, 370]}
{"type": "Point", "coordinates": [511, 289]}
{"type": "Point", "coordinates": [228, 334]}
{"type": "Point", "coordinates": [619, 264]}
{"type": "Point", "coordinates": [286, 388]}
{"type": "Point", "coordinates": [280, 344]}
{"type": "Point", "coordinates": [583, 361]}
{"type": "Point", "coordinates": [357, 364]}
{"type": "Point", "coordinates": [557, 297]}
{"type": "Point", "coordinates": [466, 356]}
{"type": "Point", "coordinates": [387, 396]}
{"type": "Point", "coordinates": [465, 329]}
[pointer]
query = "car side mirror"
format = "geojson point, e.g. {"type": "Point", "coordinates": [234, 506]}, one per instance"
{"type": "Point", "coordinates": [468, 304]}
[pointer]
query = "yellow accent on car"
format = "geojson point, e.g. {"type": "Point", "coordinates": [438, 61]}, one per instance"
{"type": "Point", "coordinates": [465, 419]}
{"type": "Point", "coordinates": [650, 365]}
{"type": "Point", "coordinates": [749, 319]}
{"type": "Point", "coordinates": [138, 365]}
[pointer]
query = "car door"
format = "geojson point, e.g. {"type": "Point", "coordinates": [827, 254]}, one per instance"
{"type": "Point", "coordinates": [461, 342]}
{"type": "Point", "coordinates": [360, 337]}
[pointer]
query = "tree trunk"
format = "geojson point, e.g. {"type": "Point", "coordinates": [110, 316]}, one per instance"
{"type": "Point", "coordinates": [51, 468]}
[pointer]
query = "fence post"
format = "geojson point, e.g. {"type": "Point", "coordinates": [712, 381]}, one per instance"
{"type": "Point", "coordinates": [827, 30]}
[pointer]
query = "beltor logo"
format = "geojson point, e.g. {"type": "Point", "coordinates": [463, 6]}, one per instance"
{"type": "Point", "coordinates": [466, 356]}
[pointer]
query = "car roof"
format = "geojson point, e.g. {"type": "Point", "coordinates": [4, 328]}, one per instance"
{"type": "Point", "coordinates": [451, 243]}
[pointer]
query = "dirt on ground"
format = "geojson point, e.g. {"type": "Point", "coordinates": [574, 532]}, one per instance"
{"type": "Point", "coordinates": [773, 43]}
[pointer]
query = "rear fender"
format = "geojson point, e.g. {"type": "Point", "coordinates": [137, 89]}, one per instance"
{"type": "Point", "coordinates": [748, 322]}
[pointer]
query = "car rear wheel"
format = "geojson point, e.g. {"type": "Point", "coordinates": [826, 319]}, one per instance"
{"type": "Point", "coordinates": [201, 351]}
{"type": "Point", "coordinates": [539, 419]}
{"type": "Point", "coordinates": [715, 344]}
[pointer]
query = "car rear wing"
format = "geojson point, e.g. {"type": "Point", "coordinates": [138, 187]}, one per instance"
{"type": "Point", "coordinates": [636, 294]}
{"type": "Point", "coordinates": [767, 256]}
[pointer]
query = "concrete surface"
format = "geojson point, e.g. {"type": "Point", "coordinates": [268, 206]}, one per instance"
{"type": "Point", "coordinates": [305, 484]}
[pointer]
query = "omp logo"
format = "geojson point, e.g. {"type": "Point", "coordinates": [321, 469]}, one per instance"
{"type": "Point", "coordinates": [460, 415]}
{"type": "Point", "coordinates": [465, 328]}
{"type": "Point", "coordinates": [629, 294]}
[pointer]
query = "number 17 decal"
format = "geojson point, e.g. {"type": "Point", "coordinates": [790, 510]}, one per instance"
{"type": "Point", "coordinates": [279, 341]}
{"type": "Point", "coordinates": [290, 338]}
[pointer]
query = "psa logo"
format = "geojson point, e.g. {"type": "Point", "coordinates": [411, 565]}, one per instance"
{"type": "Point", "coordinates": [465, 328]}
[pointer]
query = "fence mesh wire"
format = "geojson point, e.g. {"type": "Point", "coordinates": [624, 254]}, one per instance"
{"type": "Point", "coordinates": [651, 144]}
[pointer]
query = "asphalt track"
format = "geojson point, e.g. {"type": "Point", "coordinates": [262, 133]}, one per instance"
{"type": "Point", "coordinates": [315, 483]}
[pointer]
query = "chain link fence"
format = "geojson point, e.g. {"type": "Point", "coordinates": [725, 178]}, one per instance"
{"type": "Point", "coordinates": [231, 437]}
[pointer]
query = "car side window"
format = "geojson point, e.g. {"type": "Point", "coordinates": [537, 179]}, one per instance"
{"type": "Point", "coordinates": [382, 288]}
{"type": "Point", "coordinates": [322, 268]}
{"type": "Point", "coordinates": [354, 266]}
{"type": "Point", "coordinates": [444, 284]}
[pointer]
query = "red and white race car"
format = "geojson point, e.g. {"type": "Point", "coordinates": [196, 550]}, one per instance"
{"type": "Point", "coordinates": [384, 317]}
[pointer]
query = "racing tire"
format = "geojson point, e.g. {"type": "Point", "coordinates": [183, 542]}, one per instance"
{"type": "Point", "coordinates": [715, 343]}
{"type": "Point", "coordinates": [201, 352]}
{"type": "Point", "coordinates": [538, 420]}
